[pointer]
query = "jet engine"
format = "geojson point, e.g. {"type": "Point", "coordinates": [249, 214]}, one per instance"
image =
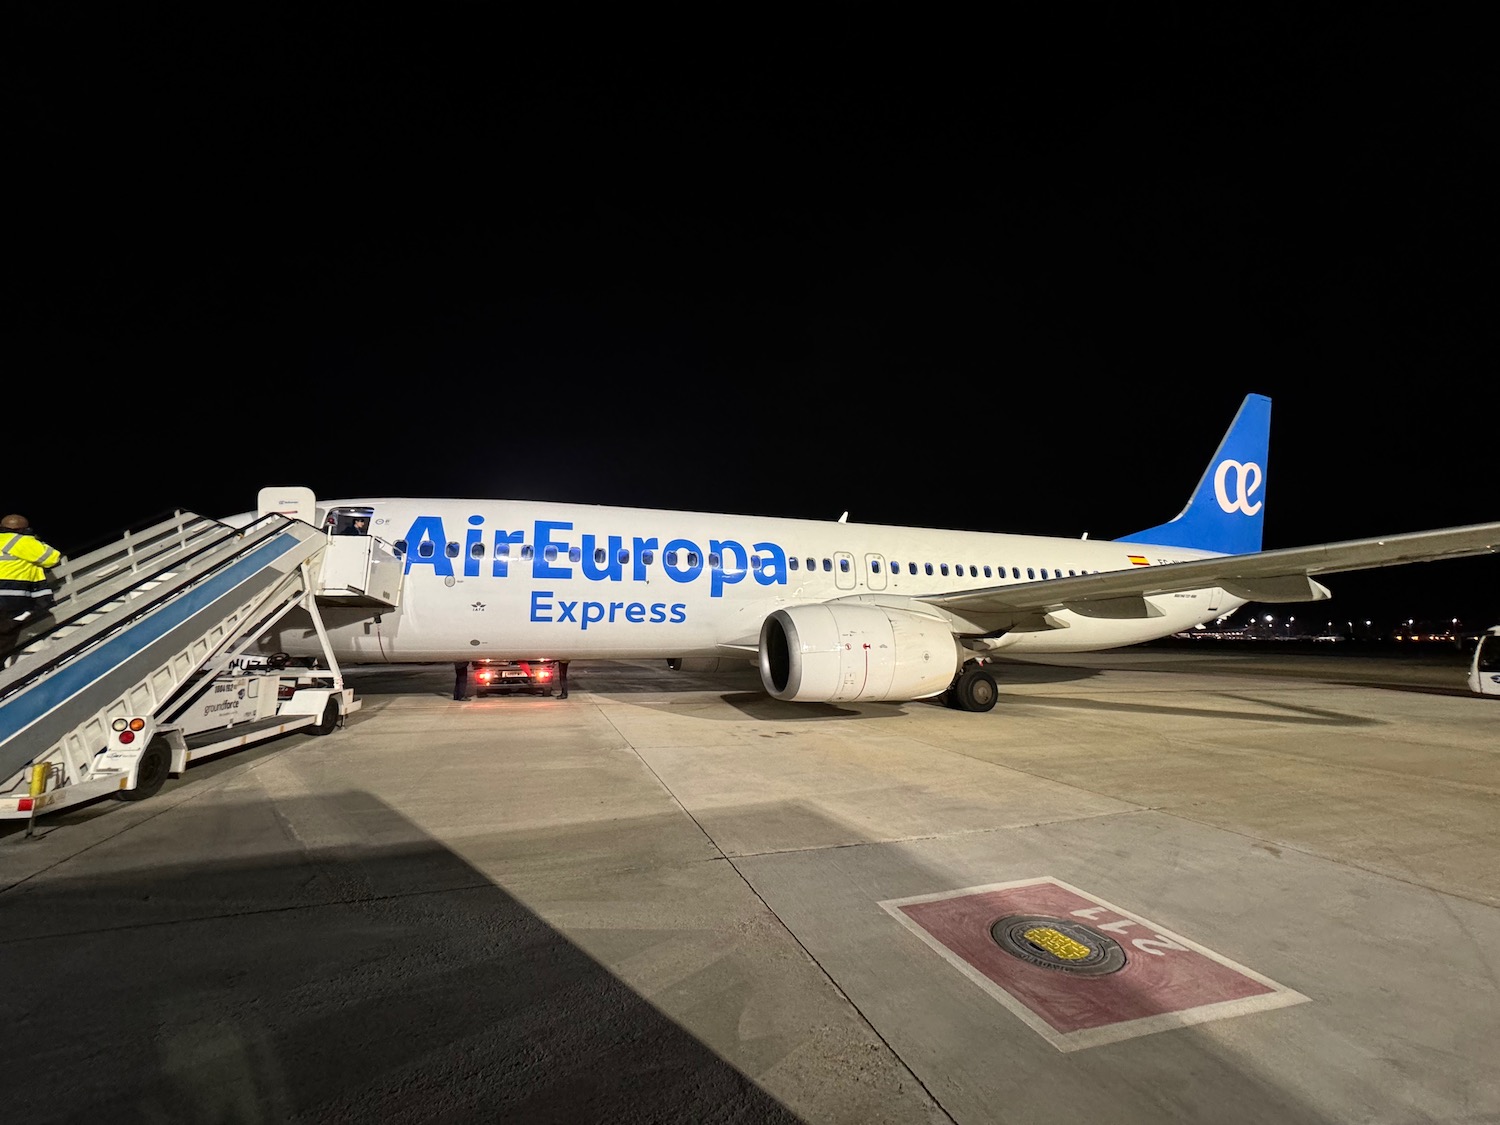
{"type": "Point", "coordinates": [844, 651]}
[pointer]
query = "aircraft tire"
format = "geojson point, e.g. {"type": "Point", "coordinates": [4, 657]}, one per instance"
{"type": "Point", "coordinates": [151, 774]}
{"type": "Point", "coordinates": [975, 690]}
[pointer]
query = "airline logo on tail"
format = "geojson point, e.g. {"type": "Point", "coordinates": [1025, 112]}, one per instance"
{"type": "Point", "coordinates": [1247, 478]}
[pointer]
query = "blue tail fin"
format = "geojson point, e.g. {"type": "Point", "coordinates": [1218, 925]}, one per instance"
{"type": "Point", "coordinates": [1227, 508]}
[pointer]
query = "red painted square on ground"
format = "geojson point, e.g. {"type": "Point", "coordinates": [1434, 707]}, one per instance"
{"type": "Point", "coordinates": [1164, 975]}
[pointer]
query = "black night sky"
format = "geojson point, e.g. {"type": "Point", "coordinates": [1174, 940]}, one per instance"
{"type": "Point", "coordinates": [1014, 275]}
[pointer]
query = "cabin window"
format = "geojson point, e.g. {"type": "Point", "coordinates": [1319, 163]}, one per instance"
{"type": "Point", "coordinates": [827, 565]}
{"type": "Point", "coordinates": [791, 563]}
{"type": "Point", "coordinates": [943, 567]}
{"type": "Point", "coordinates": [624, 556]}
{"type": "Point", "coordinates": [756, 562]}
{"type": "Point", "coordinates": [451, 550]}
{"type": "Point", "coordinates": [600, 555]}
{"type": "Point", "coordinates": [1031, 573]}
{"type": "Point", "coordinates": [844, 566]}
{"type": "Point", "coordinates": [671, 558]}
{"type": "Point", "coordinates": [692, 559]}
{"type": "Point", "coordinates": [647, 557]}
{"type": "Point", "coordinates": [476, 551]}
{"type": "Point", "coordinates": [911, 568]}
{"type": "Point", "coordinates": [812, 564]}
{"type": "Point", "coordinates": [1015, 572]}
{"type": "Point", "coordinates": [713, 560]}
{"type": "Point", "coordinates": [527, 551]}
{"type": "Point", "coordinates": [399, 547]}
{"type": "Point", "coordinates": [549, 552]}
{"type": "Point", "coordinates": [874, 566]}
{"type": "Point", "coordinates": [575, 554]}
{"type": "Point", "coordinates": [927, 567]}
{"type": "Point", "coordinates": [986, 570]}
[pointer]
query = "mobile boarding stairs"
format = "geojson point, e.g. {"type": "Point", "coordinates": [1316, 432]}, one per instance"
{"type": "Point", "coordinates": [152, 623]}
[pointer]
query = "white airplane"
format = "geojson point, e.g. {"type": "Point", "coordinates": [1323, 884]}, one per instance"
{"type": "Point", "coordinates": [831, 611]}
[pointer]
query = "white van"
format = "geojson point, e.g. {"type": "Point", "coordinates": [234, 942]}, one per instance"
{"type": "Point", "coordinates": [1484, 672]}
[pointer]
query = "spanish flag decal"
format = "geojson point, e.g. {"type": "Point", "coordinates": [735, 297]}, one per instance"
{"type": "Point", "coordinates": [1138, 560]}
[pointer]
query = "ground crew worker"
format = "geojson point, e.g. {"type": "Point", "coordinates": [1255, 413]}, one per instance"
{"type": "Point", "coordinates": [24, 592]}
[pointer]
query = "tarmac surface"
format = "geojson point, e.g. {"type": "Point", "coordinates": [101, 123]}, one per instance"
{"type": "Point", "coordinates": [1173, 884]}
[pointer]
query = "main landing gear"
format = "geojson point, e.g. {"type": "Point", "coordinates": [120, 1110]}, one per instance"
{"type": "Point", "coordinates": [973, 689]}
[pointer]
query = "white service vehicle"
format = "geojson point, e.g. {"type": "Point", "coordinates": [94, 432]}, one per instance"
{"type": "Point", "coordinates": [141, 665]}
{"type": "Point", "coordinates": [260, 699]}
{"type": "Point", "coordinates": [257, 700]}
{"type": "Point", "coordinates": [1484, 669]}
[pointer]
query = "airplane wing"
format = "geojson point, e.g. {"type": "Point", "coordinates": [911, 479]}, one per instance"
{"type": "Point", "coordinates": [1264, 576]}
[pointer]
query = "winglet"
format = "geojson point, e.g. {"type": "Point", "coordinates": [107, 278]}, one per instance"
{"type": "Point", "coordinates": [1226, 511]}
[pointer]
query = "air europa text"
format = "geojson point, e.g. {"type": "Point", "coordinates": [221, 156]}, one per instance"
{"type": "Point", "coordinates": [551, 554]}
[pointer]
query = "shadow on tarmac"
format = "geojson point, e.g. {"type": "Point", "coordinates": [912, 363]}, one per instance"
{"type": "Point", "coordinates": [394, 984]}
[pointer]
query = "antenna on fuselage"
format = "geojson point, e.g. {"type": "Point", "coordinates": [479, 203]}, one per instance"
{"type": "Point", "coordinates": [844, 517]}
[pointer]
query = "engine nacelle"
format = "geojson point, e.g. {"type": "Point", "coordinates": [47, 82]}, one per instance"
{"type": "Point", "coordinates": [844, 651]}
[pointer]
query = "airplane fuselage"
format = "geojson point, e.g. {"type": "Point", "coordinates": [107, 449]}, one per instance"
{"type": "Point", "coordinates": [521, 579]}
{"type": "Point", "coordinates": [831, 611]}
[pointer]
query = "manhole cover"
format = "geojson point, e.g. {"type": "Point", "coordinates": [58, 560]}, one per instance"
{"type": "Point", "coordinates": [1054, 943]}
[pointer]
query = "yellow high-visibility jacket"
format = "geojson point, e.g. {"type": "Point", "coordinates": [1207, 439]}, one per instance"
{"type": "Point", "coordinates": [24, 562]}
